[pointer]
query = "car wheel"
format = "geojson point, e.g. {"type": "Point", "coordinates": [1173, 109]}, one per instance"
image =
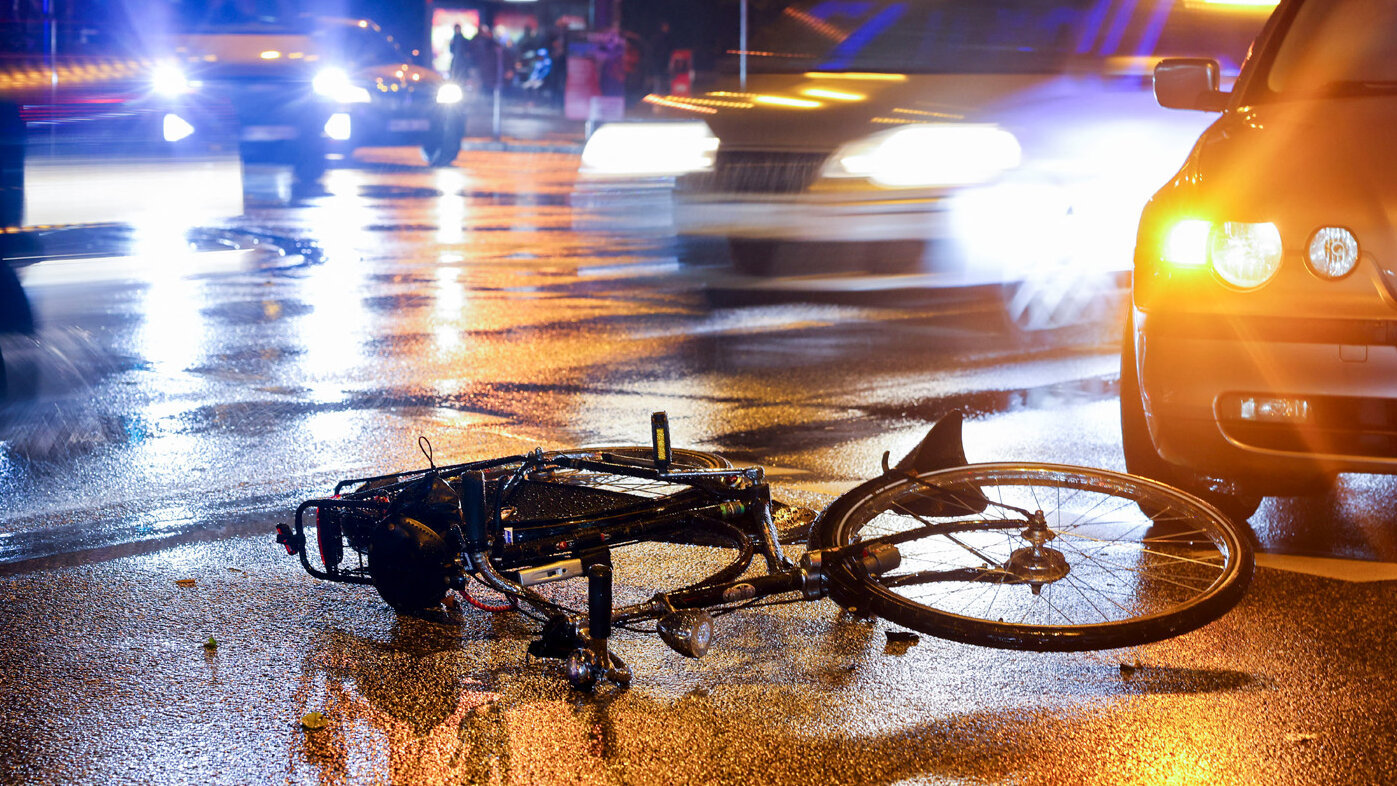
{"type": "Point", "coordinates": [16, 315]}
{"type": "Point", "coordinates": [444, 143]}
{"type": "Point", "coordinates": [1142, 459]}
{"type": "Point", "coordinates": [443, 153]}
{"type": "Point", "coordinates": [309, 163]}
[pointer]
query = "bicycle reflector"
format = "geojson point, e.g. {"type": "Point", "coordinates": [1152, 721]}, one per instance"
{"type": "Point", "coordinates": [659, 434]}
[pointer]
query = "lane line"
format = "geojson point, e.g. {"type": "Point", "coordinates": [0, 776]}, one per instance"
{"type": "Point", "coordinates": [1350, 570]}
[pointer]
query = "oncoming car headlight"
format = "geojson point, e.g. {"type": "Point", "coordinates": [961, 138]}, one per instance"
{"type": "Point", "coordinates": [1243, 254]}
{"type": "Point", "coordinates": [449, 93]}
{"type": "Point", "coordinates": [928, 155]}
{"type": "Point", "coordinates": [169, 80]}
{"type": "Point", "coordinates": [334, 84]}
{"type": "Point", "coordinates": [649, 149]}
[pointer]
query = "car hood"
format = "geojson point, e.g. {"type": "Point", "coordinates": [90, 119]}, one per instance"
{"type": "Point", "coordinates": [404, 74]}
{"type": "Point", "coordinates": [1306, 164]}
{"type": "Point", "coordinates": [245, 56]}
{"type": "Point", "coordinates": [1071, 126]}
{"type": "Point", "coordinates": [798, 113]}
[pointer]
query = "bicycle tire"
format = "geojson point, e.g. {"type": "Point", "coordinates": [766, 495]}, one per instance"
{"type": "Point", "coordinates": [1124, 578]}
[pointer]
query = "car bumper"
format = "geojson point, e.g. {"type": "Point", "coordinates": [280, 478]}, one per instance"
{"type": "Point", "coordinates": [1005, 231]}
{"type": "Point", "coordinates": [1198, 374]}
{"type": "Point", "coordinates": [812, 217]}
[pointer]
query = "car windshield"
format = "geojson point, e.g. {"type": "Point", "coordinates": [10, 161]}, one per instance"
{"type": "Point", "coordinates": [1342, 48]}
{"type": "Point", "coordinates": [237, 16]}
{"type": "Point", "coordinates": [992, 36]}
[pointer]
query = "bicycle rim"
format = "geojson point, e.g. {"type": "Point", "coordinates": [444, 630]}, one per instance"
{"type": "Point", "coordinates": [1098, 574]}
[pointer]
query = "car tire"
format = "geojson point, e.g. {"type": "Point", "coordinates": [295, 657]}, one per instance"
{"type": "Point", "coordinates": [1141, 457]}
{"type": "Point", "coordinates": [308, 162]}
{"type": "Point", "coordinates": [444, 144]}
{"type": "Point", "coordinates": [16, 315]}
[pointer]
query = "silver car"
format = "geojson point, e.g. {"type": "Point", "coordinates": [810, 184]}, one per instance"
{"type": "Point", "coordinates": [1262, 346]}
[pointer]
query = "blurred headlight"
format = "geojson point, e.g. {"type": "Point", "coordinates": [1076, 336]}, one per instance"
{"type": "Point", "coordinates": [449, 93]}
{"type": "Point", "coordinates": [169, 80]}
{"type": "Point", "coordinates": [1245, 255]}
{"type": "Point", "coordinates": [334, 84]}
{"type": "Point", "coordinates": [338, 127]}
{"type": "Point", "coordinates": [928, 155]}
{"type": "Point", "coordinates": [634, 149]}
{"type": "Point", "coordinates": [1333, 252]}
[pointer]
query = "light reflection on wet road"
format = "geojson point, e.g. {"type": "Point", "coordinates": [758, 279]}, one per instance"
{"type": "Point", "coordinates": [477, 306]}
{"type": "Point", "coordinates": [452, 303]}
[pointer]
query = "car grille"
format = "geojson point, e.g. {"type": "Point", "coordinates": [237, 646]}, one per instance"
{"type": "Point", "coordinates": [761, 172]}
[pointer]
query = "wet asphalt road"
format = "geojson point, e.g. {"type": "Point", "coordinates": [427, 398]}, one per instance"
{"type": "Point", "coordinates": [206, 394]}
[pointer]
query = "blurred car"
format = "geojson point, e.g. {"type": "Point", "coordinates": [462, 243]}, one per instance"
{"type": "Point", "coordinates": [1262, 343]}
{"type": "Point", "coordinates": [88, 143]}
{"type": "Point", "coordinates": [932, 143]}
{"type": "Point", "coordinates": [303, 87]}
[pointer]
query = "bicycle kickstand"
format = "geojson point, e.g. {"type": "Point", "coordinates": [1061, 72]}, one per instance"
{"type": "Point", "coordinates": [587, 664]}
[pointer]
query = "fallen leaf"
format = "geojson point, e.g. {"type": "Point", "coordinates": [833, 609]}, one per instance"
{"type": "Point", "coordinates": [186, 582]}
{"type": "Point", "coordinates": [314, 721]}
{"type": "Point", "coordinates": [899, 641]}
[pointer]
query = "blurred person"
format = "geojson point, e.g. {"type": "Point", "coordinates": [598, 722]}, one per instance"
{"type": "Point", "coordinates": [657, 65]}
{"type": "Point", "coordinates": [555, 81]}
{"type": "Point", "coordinates": [486, 54]}
{"type": "Point", "coordinates": [460, 55]}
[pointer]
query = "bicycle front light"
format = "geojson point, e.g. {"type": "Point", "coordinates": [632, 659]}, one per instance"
{"type": "Point", "coordinates": [333, 83]}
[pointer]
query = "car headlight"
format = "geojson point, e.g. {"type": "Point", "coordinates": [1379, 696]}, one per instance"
{"type": "Point", "coordinates": [655, 149]}
{"type": "Point", "coordinates": [928, 155]}
{"type": "Point", "coordinates": [334, 84]}
{"type": "Point", "coordinates": [449, 93]}
{"type": "Point", "coordinates": [1245, 255]}
{"type": "Point", "coordinates": [169, 80]}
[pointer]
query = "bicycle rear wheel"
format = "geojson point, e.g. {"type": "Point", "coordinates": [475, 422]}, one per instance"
{"type": "Point", "coordinates": [1036, 556]}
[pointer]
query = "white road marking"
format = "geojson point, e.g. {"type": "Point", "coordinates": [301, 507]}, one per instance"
{"type": "Point", "coordinates": [1352, 570]}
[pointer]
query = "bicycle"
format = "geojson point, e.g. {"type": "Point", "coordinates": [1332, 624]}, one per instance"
{"type": "Point", "coordinates": [1035, 556]}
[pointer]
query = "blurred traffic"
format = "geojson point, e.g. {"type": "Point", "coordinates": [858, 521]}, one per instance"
{"type": "Point", "coordinates": [931, 144]}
